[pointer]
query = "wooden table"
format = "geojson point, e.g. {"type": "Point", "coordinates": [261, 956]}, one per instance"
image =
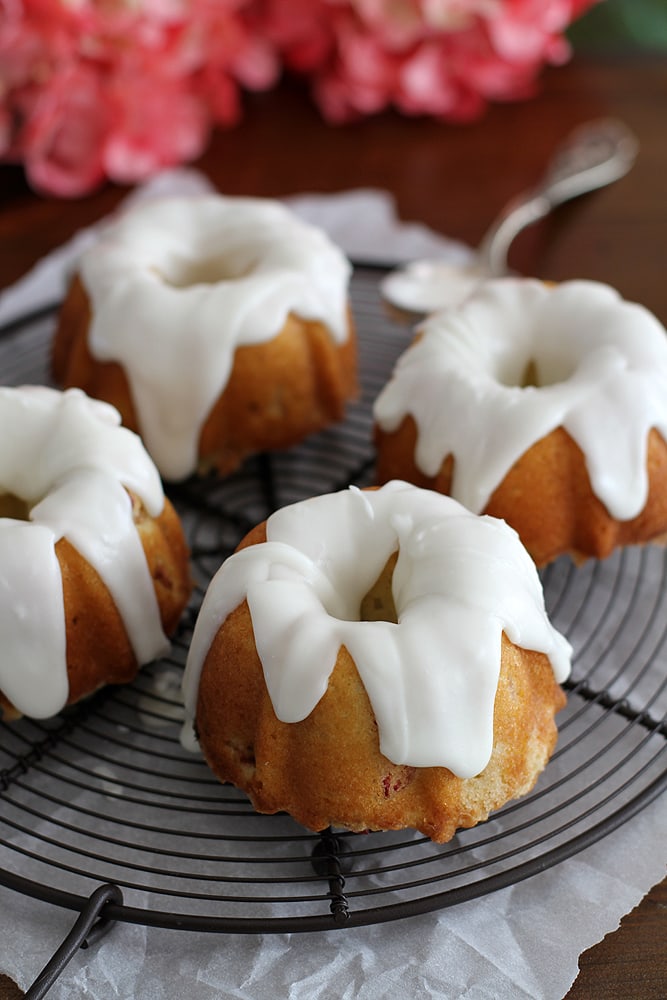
{"type": "Point", "coordinates": [454, 179]}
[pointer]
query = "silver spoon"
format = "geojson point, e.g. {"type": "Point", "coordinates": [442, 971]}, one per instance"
{"type": "Point", "coordinates": [592, 156]}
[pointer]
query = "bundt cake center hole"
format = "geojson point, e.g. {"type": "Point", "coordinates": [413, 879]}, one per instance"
{"type": "Point", "coordinates": [378, 604]}
{"type": "Point", "coordinates": [14, 507]}
{"type": "Point", "coordinates": [536, 372]}
{"type": "Point", "coordinates": [530, 375]}
{"type": "Point", "coordinates": [204, 271]}
{"type": "Point", "coordinates": [538, 376]}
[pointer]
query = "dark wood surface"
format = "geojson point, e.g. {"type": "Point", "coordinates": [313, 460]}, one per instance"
{"type": "Point", "coordinates": [455, 179]}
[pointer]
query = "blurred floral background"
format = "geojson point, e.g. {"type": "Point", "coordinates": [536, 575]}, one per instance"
{"type": "Point", "coordinates": [617, 24]}
{"type": "Point", "coordinates": [117, 89]}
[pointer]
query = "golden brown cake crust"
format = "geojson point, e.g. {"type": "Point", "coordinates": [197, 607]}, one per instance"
{"type": "Point", "coordinates": [546, 496]}
{"type": "Point", "coordinates": [328, 769]}
{"type": "Point", "coordinates": [311, 379]}
{"type": "Point", "coordinates": [98, 648]}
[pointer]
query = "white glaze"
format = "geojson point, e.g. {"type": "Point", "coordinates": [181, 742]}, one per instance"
{"type": "Point", "coordinates": [459, 581]}
{"type": "Point", "coordinates": [177, 284]}
{"type": "Point", "coordinates": [602, 375]}
{"type": "Point", "coordinates": [67, 457]}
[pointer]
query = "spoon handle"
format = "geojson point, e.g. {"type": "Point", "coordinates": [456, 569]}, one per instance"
{"type": "Point", "coordinates": [592, 156]}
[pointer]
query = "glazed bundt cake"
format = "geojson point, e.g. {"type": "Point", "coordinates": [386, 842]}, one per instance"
{"type": "Point", "coordinates": [544, 405]}
{"type": "Point", "coordinates": [377, 660]}
{"type": "Point", "coordinates": [93, 561]}
{"type": "Point", "coordinates": [219, 327]}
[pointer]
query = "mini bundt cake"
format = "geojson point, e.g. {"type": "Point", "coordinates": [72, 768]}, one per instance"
{"type": "Point", "coordinates": [378, 660]}
{"type": "Point", "coordinates": [94, 567]}
{"type": "Point", "coordinates": [218, 327]}
{"type": "Point", "coordinates": [544, 405]}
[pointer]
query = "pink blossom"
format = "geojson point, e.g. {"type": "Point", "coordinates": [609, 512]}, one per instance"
{"type": "Point", "coordinates": [95, 89]}
{"type": "Point", "coordinates": [154, 122]}
{"type": "Point", "coordinates": [65, 124]}
{"type": "Point", "coordinates": [446, 58]}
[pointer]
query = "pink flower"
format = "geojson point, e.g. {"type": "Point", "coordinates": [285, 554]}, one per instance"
{"type": "Point", "coordinates": [62, 138]}
{"type": "Point", "coordinates": [95, 89]}
{"type": "Point", "coordinates": [446, 58]}
{"type": "Point", "coordinates": [153, 122]}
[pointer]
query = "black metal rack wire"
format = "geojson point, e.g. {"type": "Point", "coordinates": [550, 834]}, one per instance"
{"type": "Point", "coordinates": [105, 794]}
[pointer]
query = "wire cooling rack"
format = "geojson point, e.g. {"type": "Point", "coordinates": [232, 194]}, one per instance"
{"type": "Point", "coordinates": [105, 794]}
